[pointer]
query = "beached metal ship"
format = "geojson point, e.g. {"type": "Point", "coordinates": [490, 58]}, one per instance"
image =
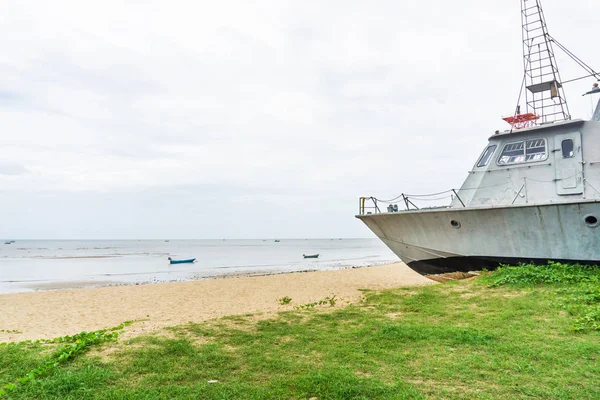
{"type": "Point", "coordinates": [532, 196]}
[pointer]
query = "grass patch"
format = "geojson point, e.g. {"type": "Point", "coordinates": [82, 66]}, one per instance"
{"type": "Point", "coordinates": [529, 275]}
{"type": "Point", "coordinates": [576, 287]}
{"type": "Point", "coordinates": [331, 300]}
{"type": "Point", "coordinates": [63, 349]}
{"type": "Point", "coordinates": [511, 334]}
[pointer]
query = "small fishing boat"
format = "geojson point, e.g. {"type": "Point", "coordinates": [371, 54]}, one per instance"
{"type": "Point", "coordinates": [310, 255]}
{"type": "Point", "coordinates": [187, 260]}
{"type": "Point", "coordinates": [277, 240]}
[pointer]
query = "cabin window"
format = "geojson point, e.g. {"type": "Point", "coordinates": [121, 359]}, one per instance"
{"type": "Point", "coordinates": [525, 151]}
{"type": "Point", "coordinates": [486, 156]}
{"type": "Point", "coordinates": [567, 148]}
{"type": "Point", "coordinates": [535, 150]}
{"type": "Point", "coordinates": [512, 153]}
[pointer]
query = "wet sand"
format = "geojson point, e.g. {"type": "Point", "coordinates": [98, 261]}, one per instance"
{"type": "Point", "coordinates": [65, 312]}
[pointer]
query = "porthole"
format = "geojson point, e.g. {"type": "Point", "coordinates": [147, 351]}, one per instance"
{"type": "Point", "coordinates": [455, 224]}
{"type": "Point", "coordinates": [591, 221]}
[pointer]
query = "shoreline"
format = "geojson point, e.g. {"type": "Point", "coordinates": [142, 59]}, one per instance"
{"type": "Point", "coordinates": [53, 313]}
{"type": "Point", "coordinates": [84, 284]}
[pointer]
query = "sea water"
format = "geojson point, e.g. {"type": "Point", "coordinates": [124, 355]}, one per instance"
{"type": "Point", "coordinates": [28, 265]}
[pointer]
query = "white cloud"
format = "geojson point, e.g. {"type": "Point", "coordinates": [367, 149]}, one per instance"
{"type": "Point", "coordinates": [318, 101]}
{"type": "Point", "coordinates": [12, 168]}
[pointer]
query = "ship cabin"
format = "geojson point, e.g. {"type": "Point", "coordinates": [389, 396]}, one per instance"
{"type": "Point", "coordinates": [548, 163]}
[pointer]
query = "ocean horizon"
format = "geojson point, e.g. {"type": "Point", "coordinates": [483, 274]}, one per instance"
{"type": "Point", "coordinates": [33, 265]}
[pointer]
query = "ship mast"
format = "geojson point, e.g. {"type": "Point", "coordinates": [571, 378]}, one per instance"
{"type": "Point", "coordinates": [545, 100]}
{"type": "Point", "coordinates": [544, 94]}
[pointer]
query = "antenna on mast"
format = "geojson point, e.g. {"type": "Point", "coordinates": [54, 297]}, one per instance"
{"type": "Point", "coordinates": [545, 100]}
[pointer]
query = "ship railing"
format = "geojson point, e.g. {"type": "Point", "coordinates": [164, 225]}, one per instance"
{"type": "Point", "coordinates": [370, 205]}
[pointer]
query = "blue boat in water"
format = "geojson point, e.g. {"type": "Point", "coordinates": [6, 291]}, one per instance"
{"type": "Point", "coordinates": [188, 260]}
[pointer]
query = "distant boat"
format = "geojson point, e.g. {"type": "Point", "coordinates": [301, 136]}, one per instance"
{"type": "Point", "coordinates": [277, 240]}
{"type": "Point", "coordinates": [166, 241]}
{"type": "Point", "coordinates": [310, 255]}
{"type": "Point", "coordinates": [8, 242]}
{"type": "Point", "coordinates": [188, 260]}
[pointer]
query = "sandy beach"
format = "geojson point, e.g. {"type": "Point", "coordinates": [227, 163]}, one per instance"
{"type": "Point", "coordinates": [50, 314]}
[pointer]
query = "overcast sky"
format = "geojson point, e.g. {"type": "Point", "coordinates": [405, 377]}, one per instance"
{"type": "Point", "coordinates": [252, 119]}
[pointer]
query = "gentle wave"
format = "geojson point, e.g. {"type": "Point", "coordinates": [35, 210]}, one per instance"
{"type": "Point", "coordinates": [132, 261]}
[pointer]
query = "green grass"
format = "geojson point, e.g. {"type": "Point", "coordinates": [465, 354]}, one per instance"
{"type": "Point", "coordinates": [577, 287]}
{"type": "Point", "coordinates": [516, 333]}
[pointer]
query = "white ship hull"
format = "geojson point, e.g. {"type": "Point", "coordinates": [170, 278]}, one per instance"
{"type": "Point", "coordinates": [430, 242]}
